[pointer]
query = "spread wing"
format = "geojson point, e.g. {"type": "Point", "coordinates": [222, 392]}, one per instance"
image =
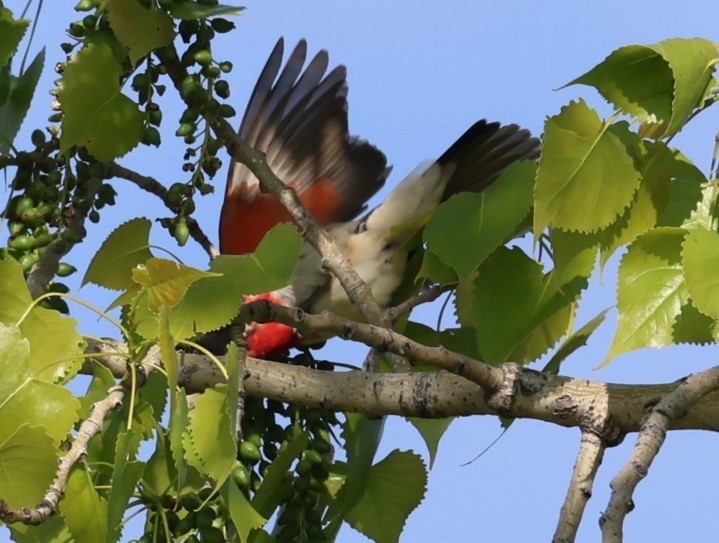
{"type": "Point", "coordinates": [298, 118]}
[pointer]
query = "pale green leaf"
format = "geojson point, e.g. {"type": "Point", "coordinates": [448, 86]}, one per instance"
{"type": "Point", "coordinates": [213, 302]}
{"type": "Point", "coordinates": [125, 248]}
{"type": "Point", "coordinates": [649, 201]}
{"type": "Point", "coordinates": [165, 281]}
{"type": "Point", "coordinates": [26, 400]}
{"type": "Point", "coordinates": [658, 84]}
{"type": "Point", "coordinates": [139, 29]}
{"type": "Point", "coordinates": [210, 436]}
{"type": "Point", "coordinates": [700, 257]}
{"type": "Point", "coordinates": [52, 530]}
{"type": "Point", "coordinates": [55, 345]}
{"type": "Point", "coordinates": [127, 472]}
{"type": "Point", "coordinates": [586, 176]}
{"type": "Point", "coordinates": [431, 431]}
{"type": "Point", "coordinates": [28, 461]}
{"type": "Point", "coordinates": [84, 511]}
{"type": "Point", "coordinates": [469, 226]}
{"type": "Point", "coordinates": [243, 515]}
{"type": "Point", "coordinates": [15, 108]}
{"type": "Point", "coordinates": [11, 33]}
{"type": "Point", "coordinates": [685, 207]}
{"type": "Point", "coordinates": [651, 291]}
{"type": "Point", "coordinates": [96, 114]}
{"type": "Point", "coordinates": [395, 487]}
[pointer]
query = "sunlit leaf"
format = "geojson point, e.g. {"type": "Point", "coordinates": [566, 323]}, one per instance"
{"type": "Point", "coordinates": [14, 109]}
{"type": "Point", "coordinates": [96, 113]}
{"type": "Point", "coordinates": [651, 291]}
{"type": "Point", "coordinates": [165, 281]}
{"type": "Point", "coordinates": [210, 436]}
{"type": "Point", "coordinates": [28, 461]}
{"type": "Point", "coordinates": [243, 515]}
{"type": "Point", "coordinates": [139, 29]}
{"type": "Point", "coordinates": [211, 303]}
{"type": "Point", "coordinates": [586, 176]}
{"type": "Point", "coordinates": [125, 248]}
{"type": "Point", "coordinates": [11, 32]}
{"type": "Point", "coordinates": [84, 511]}
{"type": "Point", "coordinates": [127, 472]}
{"type": "Point", "coordinates": [660, 83]}
{"type": "Point", "coordinates": [395, 487]}
{"type": "Point", "coordinates": [700, 257]}
{"type": "Point", "coordinates": [469, 226]}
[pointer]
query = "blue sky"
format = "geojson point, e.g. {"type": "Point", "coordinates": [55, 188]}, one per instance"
{"type": "Point", "coordinates": [420, 73]}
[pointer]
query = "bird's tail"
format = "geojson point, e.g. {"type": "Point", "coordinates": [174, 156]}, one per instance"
{"type": "Point", "coordinates": [483, 153]}
{"type": "Point", "coordinates": [472, 164]}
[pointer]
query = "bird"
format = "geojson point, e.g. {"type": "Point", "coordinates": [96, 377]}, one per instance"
{"type": "Point", "coordinates": [298, 117]}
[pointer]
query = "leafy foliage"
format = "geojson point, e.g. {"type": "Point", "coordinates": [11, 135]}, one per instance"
{"type": "Point", "coordinates": [602, 186]}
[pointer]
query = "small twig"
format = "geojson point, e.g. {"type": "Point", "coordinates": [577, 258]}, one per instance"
{"type": "Point", "coordinates": [153, 186]}
{"type": "Point", "coordinates": [78, 451]}
{"type": "Point", "coordinates": [591, 452]}
{"type": "Point", "coordinates": [674, 405]}
{"type": "Point", "coordinates": [426, 295]}
{"type": "Point", "coordinates": [383, 339]}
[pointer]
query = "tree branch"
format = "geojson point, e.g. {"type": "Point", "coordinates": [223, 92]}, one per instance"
{"type": "Point", "coordinates": [426, 295]}
{"type": "Point", "coordinates": [383, 339]}
{"type": "Point", "coordinates": [564, 401]}
{"type": "Point", "coordinates": [673, 406]}
{"type": "Point", "coordinates": [153, 186]}
{"type": "Point", "coordinates": [591, 453]}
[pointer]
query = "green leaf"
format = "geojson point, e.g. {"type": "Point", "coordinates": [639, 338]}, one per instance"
{"type": "Point", "coordinates": [165, 281]}
{"type": "Point", "coordinates": [160, 474]}
{"type": "Point", "coordinates": [649, 201]}
{"type": "Point", "coordinates": [269, 268]}
{"type": "Point", "coordinates": [685, 195]}
{"type": "Point", "coordinates": [435, 270]}
{"type": "Point", "coordinates": [243, 515]}
{"type": "Point", "coordinates": [11, 33]}
{"type": "Point", "coordinates": [431, 431]}
{"type": "Point", "coordinates": [96, 114]}
{"type": "Point", "coordinates": [660, 83]}
{"type": "Point", "coordinates": [179, 418]}
{"type": "Point", "coordinates": [700, 257]}
{"type": "Point", "coordinates": [586, 175]}
{"type": "Point", "coordinates": [24, 400]}
{"type": "Point", "coordinates": [278, 479]}
{"type": "Point", "coordinates": [191, 10]}
{"type": "Point", "coordinates": [15, 108]}
{"type": "Point", "coordinates": [125, 248]}
{"type": "Point", "coordinates": [52, 530]}
{"type": "Point", "coordinates": [28, 461]}
{"type": "Point", "coordinates": [55, 345]}
{"type": "Point", "coordinates": [82, 508]}
{"type": "Point", "coordinates": [210, 436]}
{"type": "Point", "coordinates": [574, 342]}
{"type": "Point", "coordinates": [469, 226]}
{"type": "Point", "coordinates": [693, 326]}
{"type": "Point", "coordinates": [395, 487]}
{"type": "Point", "coordinates": [139, 29]}
{"type": "Point", "coordinates": [651, 292]}
{"type": "Point", "coordinates": [127, 472]}
{"type": "Point", "coordinates": [519, 312]}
